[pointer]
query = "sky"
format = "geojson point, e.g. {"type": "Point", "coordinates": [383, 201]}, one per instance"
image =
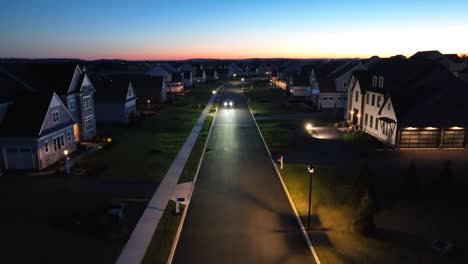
{"type": "Point", "coordinates": [173, 30]}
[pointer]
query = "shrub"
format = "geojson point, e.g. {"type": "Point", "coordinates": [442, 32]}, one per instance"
{"type": "Point", "coordinates": [364, 222]}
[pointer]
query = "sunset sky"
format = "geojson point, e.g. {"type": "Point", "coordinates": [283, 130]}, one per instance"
{"type": "Point", "coordinates": [163, 29]}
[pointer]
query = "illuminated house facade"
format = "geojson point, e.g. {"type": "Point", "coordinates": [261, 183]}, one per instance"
{"type": "Point", "coordinates": [409, 104]}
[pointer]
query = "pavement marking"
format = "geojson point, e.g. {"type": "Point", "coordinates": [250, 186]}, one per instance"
{"type": "Point", "coordinates": [291, 202]}
{"type": "Point", "coordinates": [184, 214]}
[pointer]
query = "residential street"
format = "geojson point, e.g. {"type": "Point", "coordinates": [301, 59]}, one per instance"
{"type": "Point", "coordinates": [239, 212]}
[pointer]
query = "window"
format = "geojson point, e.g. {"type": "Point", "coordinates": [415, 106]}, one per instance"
{"type": "Point", "coordinates": [87, 102]}
{"type": "Point", "coordinates": [46, 146]}
{"type": "Point", "coordinates": [371, 123]}
{"type": "Point", "coordinates": [367, 98]}
{"type": "Point", "coordinates": [373, 99]}
{"type": "Point", "coordinates": [345, 84]}
{"type": "Point", "coordinates": [389, 106]}
{"type": "Point", "coordinates": [374, 81]}
{"type": "Point", "coordinates": [376, 124]}
{"type": "Point", "coordinates": [89, 123]}
{"type": "Point", "coordinates": [379, 99]}
{"type": "Point", "coordinates": [72, 104]}
{"type": "Point", "coordinates": [357, 96]}
{"type": "Point", "coordinates": [365, 119]}
{"type": "Point", "coordinates": [69, 136]}
{"type": "Point", "coordinates": [58, 142]}
{"type": "Point", "coordinates": [55, 117]}
{"type": "Point", "coordinates": [384, 128]}
{"type": "Point", "coordinates": [381, 80]}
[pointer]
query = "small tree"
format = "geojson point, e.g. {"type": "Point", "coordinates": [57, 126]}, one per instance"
{"type": "Point", "coordinates": [410, 183]}
{"type": "Point", "coordinates": [446, 179]}
{"type": "Point", "coordinates": [364, 222]}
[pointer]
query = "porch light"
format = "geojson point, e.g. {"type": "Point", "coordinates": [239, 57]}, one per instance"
{"type": "Point", "coordinates": [431, 128]}
{"type": "Point", "coordinates": [411, 128]}
{"type": "Point", "coordinates": [352, 112]}
{"type": "Point", "coordinates": [456, 128]}
{"type": "Point", "coordinates": [65, 152]}
{"type": "Point", "coordinates": [308, 127]}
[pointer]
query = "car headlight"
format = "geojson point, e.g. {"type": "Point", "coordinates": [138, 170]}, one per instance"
{"type": "Point", "coordinates": [225, 103]}
{"type": "Point", "coordinates": [230, 103]}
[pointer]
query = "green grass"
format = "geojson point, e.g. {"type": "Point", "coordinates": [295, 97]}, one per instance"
{"type": "Point", "coordinates": [192, 163]}
{"type": "Point", "coordinates": [146, 150]}
{"type": "Point", "coordinates": [163, 238]}
{"type": "Point", "coordinates": [278, 138]}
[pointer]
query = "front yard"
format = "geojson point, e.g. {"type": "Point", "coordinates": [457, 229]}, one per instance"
{"type": "Point", "coordinates": [405, 227]}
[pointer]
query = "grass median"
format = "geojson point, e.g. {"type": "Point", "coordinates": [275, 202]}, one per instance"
{"type": "Point", "coordinates": [163, 238]}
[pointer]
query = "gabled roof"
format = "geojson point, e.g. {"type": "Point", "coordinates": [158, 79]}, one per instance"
{"type": "Point", "coordinates": [55, 77]}
{"type": "Point", "coordinates": [327, 86]}
{"type": "Point", "coordinates": [423, 93]}
{"type": "Point", "coordinates": [158, 71]}
{"type": "Point", "coordinates": [24, 118]}
{"type": "Point", "coordinates": [335, 74]}
{"type": "Point", "coordinates": [11, 87]}
{"type": "Point", "coordinates": [110, 90]}
{"type": "Point", "coordinates": [168, 67]}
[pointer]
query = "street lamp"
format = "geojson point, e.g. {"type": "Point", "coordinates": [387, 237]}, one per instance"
{"type": "Point", "coordinates": [67, 166]}
{"type": "Point", "coordinates": [213, 92]}
{"type": "Point", "coordinates": [149, 104]}
{"type": "Point", "coordinates": [311, 170]}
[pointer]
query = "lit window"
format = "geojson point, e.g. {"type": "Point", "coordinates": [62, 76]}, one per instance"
{"type": "Point", "coordinates": [55, 117]}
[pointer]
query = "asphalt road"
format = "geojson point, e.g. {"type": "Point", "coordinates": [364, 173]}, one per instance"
{"type": "Point", "coordinates": [239, 212]}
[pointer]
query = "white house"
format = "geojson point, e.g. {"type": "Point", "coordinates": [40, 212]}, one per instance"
{"type": "Point", "coordinates": [409, 104]}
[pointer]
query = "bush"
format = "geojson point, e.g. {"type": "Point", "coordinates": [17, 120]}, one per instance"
{"type": "Point", "coordinates": [410, 183]}
{"type": "Point", "coordinates": [364, 222]}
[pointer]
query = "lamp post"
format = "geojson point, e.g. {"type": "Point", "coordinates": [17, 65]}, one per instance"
{"type": "Point", "coordinates": [67, 166]}
{"type": "Point", "coordinates": [149, 104]}
{"type": "Point", "coordinates": [311, 169]}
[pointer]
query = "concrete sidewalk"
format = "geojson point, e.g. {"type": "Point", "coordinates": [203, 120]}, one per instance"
{"type": "Point", "coordinates": [135, 249]}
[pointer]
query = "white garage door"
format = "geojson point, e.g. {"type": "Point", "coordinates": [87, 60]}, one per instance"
{"type": "Point", "coordinates": [328, 102]}
{"type": "Point", "coordinates": [19, 158]}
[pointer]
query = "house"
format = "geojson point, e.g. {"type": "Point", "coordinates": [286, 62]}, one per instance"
{"type": "Point", "coordinates": [330, 82]}
{"type": "Point", "coordinates": [211, 74]}
{"type": "Point", "coordinates": [409, 104]}
{"type": "Point", "coordinates": [176, 85]}
{"type": "Point", "coordinates": [36, 131]}
{"type": "Point", "coordinates": [146, 87]}
{"type": "Point", "coordinates": [200, 77]}
{"type": "Point", "coordinates": [452, 62]}
{"type": "Point", "coordinates": [188, 79]}
{"type": "Point", "coordinates": [159, 71]}
{"type": "Point", "coordinates": [300, 86]}
{"type": "Point", "coordinates": [234, 71]}
{"type": "Point", "coordinates": [115, 100]}
{"type": "Point", "coordinates": [10, 89]}
{"type": "Point", "coordinates": [263, 70]}
{"type": "Point", "coordinates": [72, 85]}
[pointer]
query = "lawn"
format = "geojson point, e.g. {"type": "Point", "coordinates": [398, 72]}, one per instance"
{"type": "Point", "coordinates": [160, 247]}
{"type": "Point", "coordinates": [146, 150]}
{"type": "Point", "coordinates": [192, 163]}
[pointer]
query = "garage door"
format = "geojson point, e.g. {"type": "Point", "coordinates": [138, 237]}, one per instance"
{"type": "Point", "coordinates": [419, 139]}
{"type": "Point", "coordinates": [19, 158]}
{"type": "Point", "coordinates": [454, 139]}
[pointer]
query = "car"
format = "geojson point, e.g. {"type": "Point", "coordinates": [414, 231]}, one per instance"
{"type": "Point", "coordinates": [228, 103]}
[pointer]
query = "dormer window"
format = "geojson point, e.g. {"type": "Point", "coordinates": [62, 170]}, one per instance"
{"type": "Point", "coordinates": [374, 81]}
{"type": "Point", "coordinates": [381, 81]}
{"type": "Point", "coordinates": [55, 117]}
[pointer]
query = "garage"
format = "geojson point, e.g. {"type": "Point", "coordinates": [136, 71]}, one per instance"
{"type": "Point", "coordinates": [454, 138]}
{"type": "Point", "coordinates": [19, 158]}
{"type": "Point", "coordinates": [420, 138]}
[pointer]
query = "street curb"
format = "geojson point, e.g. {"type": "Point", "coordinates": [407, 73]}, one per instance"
{"type": "Point", "coordinates": [291, 202]}
{"type": "Point", "coordinates": [182, 220]}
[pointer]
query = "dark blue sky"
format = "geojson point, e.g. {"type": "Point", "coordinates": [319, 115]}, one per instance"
{"type": "Point", "coordinates": [161, 29]}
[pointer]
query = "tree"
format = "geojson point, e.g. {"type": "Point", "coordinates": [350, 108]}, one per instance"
{"type": "Point", "coordinates": [410, 183]}
{"type": "Point", "coordinates": [364, 222]}
{"type": "Point", "coordinates": [361, 184]}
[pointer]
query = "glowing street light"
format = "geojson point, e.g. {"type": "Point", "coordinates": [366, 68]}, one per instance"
{"type": "Point", "coordinates": [149, 104]}
{"type": "Point", "coordinates": [213, 92]}
{"type": "Point", "coordinates": [67, 166]}
{"type": "Point", "coordinates": [311, 170]}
